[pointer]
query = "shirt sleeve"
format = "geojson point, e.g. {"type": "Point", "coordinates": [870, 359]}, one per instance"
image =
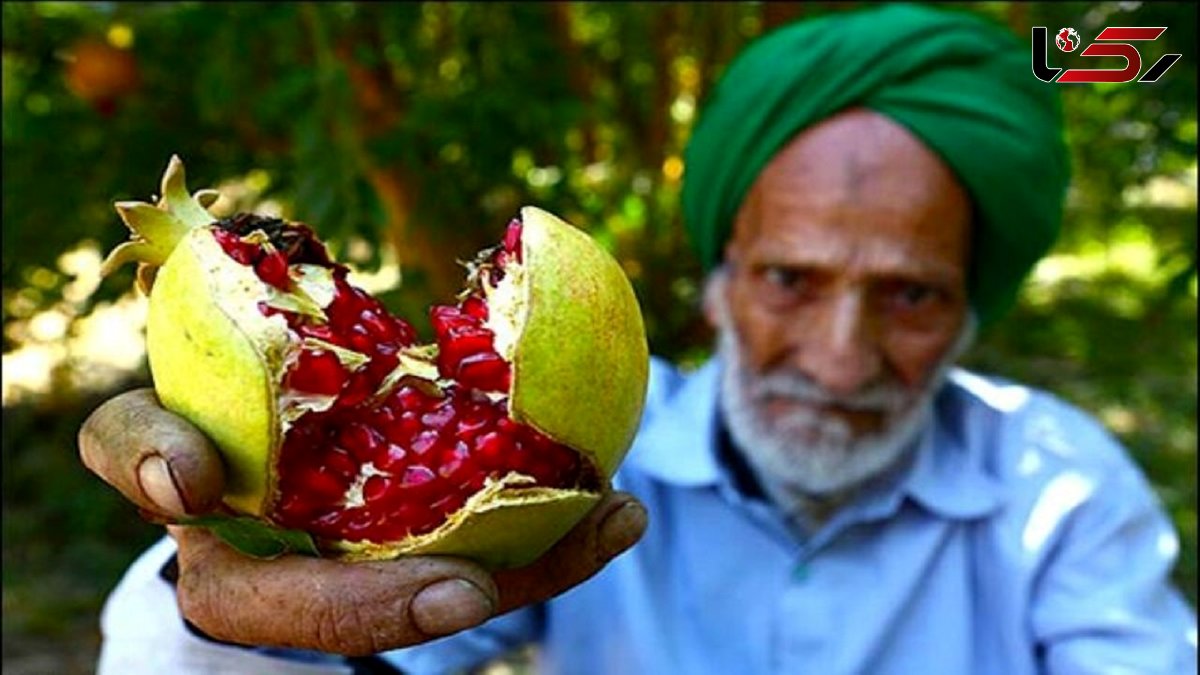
{"type": "Point", "coordinates": [1103, 601]}
{"type": "Point", "coordinates": [471, 648]}
{"type": "Point", "coordinates": [144, 634]}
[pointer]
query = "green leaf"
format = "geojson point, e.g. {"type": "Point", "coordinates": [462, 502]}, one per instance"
{"type": "Point", "coordinates": [255, 538]}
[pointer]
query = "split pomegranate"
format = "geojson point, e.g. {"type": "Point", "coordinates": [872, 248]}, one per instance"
{"type": "Point", "coordinates": [490, 442]}
{"type": "Point", "coordinates": [384, 462]}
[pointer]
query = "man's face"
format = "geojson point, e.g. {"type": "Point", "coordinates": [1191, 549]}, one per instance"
{"type": "Point", "coordinates": [844, 299]}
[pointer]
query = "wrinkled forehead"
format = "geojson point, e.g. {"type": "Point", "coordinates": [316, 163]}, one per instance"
{"type": "Point", "coordinates": [858, 175]}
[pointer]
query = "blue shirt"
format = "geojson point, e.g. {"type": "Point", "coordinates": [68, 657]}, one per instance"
{"type": "Point", "coordinates": [1020, 539]}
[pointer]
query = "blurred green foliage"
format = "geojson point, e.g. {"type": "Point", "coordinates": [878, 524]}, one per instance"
{"type": "Point", "coordinates": [422, 127]}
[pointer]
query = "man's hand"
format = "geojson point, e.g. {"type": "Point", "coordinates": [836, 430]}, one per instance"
{"type": "Point", "coordinates": [170, 469]}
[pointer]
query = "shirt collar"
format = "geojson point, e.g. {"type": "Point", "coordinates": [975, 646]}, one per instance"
{"type": "Point", "coordinates": [677, 445]}
{"type": "Point", "coordinates": [947, 474]}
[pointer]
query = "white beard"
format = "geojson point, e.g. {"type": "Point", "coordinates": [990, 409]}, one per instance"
{"type": "Point", "coordinates": [803, 455]}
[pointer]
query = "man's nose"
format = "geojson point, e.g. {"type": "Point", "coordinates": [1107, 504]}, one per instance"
{"type": "Point", "coordinates": [839, 346]}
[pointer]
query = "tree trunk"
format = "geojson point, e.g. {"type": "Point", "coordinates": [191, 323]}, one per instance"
{"type": "Point", "coordinates": [417, 250]}
{"type": "Point", "coordinates": [380, 106]}
{"type": "Point", "coordinates": [775, 14]}
{"type": "Point", "coordinates": [579, 75]}
{"type": "Point", "coordinates": [1017, 15]}
{"type": "Point", "coordinates": [660, 112]}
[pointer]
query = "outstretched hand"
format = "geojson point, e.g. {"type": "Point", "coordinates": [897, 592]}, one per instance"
{"type": "Point", "coordinates": [167, 467]}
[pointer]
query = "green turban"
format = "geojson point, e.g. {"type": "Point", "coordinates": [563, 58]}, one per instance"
{"type": "Point", "coordinates": [960, 83]}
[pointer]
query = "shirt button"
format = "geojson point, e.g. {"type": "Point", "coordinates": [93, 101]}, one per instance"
{"type": "Point", "coordinates": [800, 572]}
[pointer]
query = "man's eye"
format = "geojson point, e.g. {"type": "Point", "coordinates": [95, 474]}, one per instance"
{"type": "Point", "coordinates": [783, 277]}
{"type": "Point", "coordinates": [910, 295]}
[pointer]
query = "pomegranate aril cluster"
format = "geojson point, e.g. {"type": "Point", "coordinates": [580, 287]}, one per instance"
{"type": "Point", "coordinates": [402, 467]}
{"type": "Point", "coordinates": [269, 264]}
{"type": "Point", "coordinates": [357, 322]}
{"type": "Point", "coordinates": [466, 347]}
{"type": "Point", "coordinates": [289, 243]}
{"type": "Point", "coordinates": [380, 470]}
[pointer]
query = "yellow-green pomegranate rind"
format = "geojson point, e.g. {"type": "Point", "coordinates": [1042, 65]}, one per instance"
{"type": "Point", "coordinates": [502, 528]}
{"type": "Point", "coordinates": [582, 362]}
{"type": "Point", "coordinates": [207, 368]}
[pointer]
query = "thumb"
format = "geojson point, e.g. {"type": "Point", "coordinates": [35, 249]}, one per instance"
{"type": "Point", "coordinates": [312, 603]}
{"type": "Point", "coordinates": [155, 458]}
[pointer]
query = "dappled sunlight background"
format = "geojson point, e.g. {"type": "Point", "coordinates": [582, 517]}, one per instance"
{"type": "Point", "coordinates": [408, 134]}
{"type": "Point", "coordinates": [66, 348]}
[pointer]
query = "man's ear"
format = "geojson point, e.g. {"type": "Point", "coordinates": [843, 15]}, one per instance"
{"type": "Point", "coordinates": [714, 303]}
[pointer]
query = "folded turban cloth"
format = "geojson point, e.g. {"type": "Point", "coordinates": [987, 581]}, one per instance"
{"type": "Point", "coordinates": [959, 82]}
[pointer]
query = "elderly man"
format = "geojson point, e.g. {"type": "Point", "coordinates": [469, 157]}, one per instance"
{"type": "Point", "coordinates": [828, 494]}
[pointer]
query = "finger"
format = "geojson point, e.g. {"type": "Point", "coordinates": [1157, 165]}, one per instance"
{"type": "Point", "coordinates": [310, 603]}
{"type": "Point", "coordinates": [155, 458]}
{"type": "Point", "coordinates": [615, 524]}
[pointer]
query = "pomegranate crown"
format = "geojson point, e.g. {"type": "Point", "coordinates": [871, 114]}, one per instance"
{"type": "Point", "coordinates": [158, 228]}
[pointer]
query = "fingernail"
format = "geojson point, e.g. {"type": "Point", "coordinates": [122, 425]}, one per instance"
{"type": "Point", "coordinates": [448, 606]}
{"type": "Point", "coordinates": [157, 483]}
{"type": "Point", "coordinates": [621, 529]}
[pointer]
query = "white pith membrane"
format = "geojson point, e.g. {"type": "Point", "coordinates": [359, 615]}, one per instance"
{"type": "Point", "coordinates": [311, 294]}
{"type": "Point", "coordinates": [508, 303]}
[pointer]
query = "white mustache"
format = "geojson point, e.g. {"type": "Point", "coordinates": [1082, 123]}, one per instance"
{"type": "Point", "coordinates": [882, 397]}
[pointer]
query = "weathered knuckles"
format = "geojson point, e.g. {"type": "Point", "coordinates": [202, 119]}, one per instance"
{"type": "Point", "coordinates": [491, 442]}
